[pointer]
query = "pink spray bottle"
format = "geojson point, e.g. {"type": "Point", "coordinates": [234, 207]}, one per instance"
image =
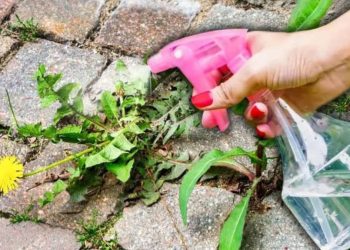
{"type": "Point", "coordinates": [315, 149]}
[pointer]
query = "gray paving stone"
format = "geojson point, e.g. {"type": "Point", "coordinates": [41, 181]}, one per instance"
{"type": "Point", "coordinates": [160, 226]}
{"type": "Point", "coordinates": [275, 229]}
{"type": "Point", "coordinates": [143, 26]}
{"type": "Point", "coordinates": [221, 17]}
{"type": "Point", "coordinates": [136, 72]}
{"type": "Point", "coordinates": [66, 20]}
{"type": "Point", "coordinates": [5, 8]}
{"type": "Point", "coordinates": [8, 147]}
{"type": "Point", "coordinates": [77, 65]}
{"type": "Point", "coordinates": [200, 139]}
{"type": "Point", "coordinates": [6, 44]}
{"type": "Point", "coordinates": [28, 192]}
{"type": "Point", "coordinates": [62, 211]}
{"type": "Point", "coordinates": [338, 8]}
{"type": "Point", "coordinates": [31, 236]}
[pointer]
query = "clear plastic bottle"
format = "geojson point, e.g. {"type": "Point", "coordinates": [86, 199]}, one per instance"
{"type": "Point", "coordinates": [315, 152]}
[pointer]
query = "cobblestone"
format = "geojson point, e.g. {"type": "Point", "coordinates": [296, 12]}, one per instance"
{"type": "Point", "coordinates": [143, 26]}
{"type": "Point", "coordinates": [65, 20]}
{"type": "Point", "coordinates": [222, 17]}
{"type": "Point", "coordinates": [160, 226]}
{"type": "Point", "coordinates": [31, 236]}
{"type": "Point", "coordinates": [6, 44]}
{"type": "Point", "coordinates": [5, 8]}
{"type": "Point", "coordinates": [77, 65]}
{"type": "Point", "coordinates": [135, 71]}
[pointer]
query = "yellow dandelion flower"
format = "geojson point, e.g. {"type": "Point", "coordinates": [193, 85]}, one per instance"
{"type": "Point", "coordinates": [11, 169]}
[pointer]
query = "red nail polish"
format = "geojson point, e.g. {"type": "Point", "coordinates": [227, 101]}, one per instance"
{"type": "Point", "coordinates": [202, 100]}
{"type": "Point", "coordinates": [256, 113]}
{"type": "Point", "coordinates": [260, 134]}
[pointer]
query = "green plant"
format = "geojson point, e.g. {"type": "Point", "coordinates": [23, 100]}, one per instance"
{"type": "Point", "coordinates": [308, 14]}
{"type": "Point", "coordinates": [25, 216]}
{"type": "Point", "coordinates": [92, 235]}
{"type": "Point", "coordinates": [125, 142]}
{"type": "Point", "coordinates": [26, 30]}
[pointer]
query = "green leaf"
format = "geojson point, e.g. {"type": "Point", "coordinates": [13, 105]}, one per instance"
{"type": "Point", "coordinates": [29, 130]}
{"type": "Point", "coordinates": [62, 112]}
{"type": "Point", "coordinates": [240, 108]}
{"type": "Point", "coordinates": [150, 198]}
{"type": "Point", "coordinates": [170, 132]}
{"type": "Point", "coordinates": [122, 142]}
{"type": "Point", "coordinates": [190, 179]}
{"type": "Point", "coordinates": [120, 65]}
{"type": "Point", "coordinates": [48, 100]}
{"type": "Point", "coordinates": [175, 173]}
{"type": "Point", "coordinates": [65, 91]}
{"type": "Point", "coordinates": [199, 168]}
{"type": "Point", "coordinates": [70, 129]}
{"type": "Point", "coordinates": [308, 14]}
{"type": "Point", "coordinates": [121, 169]}
{"type": "Point", "coordinates": [107, 154]}
{"type": "Point", "coordinates": [59, 187]}
{"type": "Point", "coordinates": [232, 232]}
{"type": "Point", "coordinates": [78, 103]}
{"type": "Point", "coordinates": [109, 105]}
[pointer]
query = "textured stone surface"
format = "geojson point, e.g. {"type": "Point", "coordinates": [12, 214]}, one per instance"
{"type": "Point", "coordinates": [136, 71]}
{"type": "Point", "coordinates": [77, 65]}
{"type": "Point", "coordinates": [62, 212]}
{"type": "Point", "coordinates": [221, 17]}
{"type": "Point", "coordinates": [6, 44]}
{"type": "Point", "coordinates": [239, 134]}
{"type": "Point", "coordinates": [141, 26]}
{"type": "Point", "coordinates": [160, 226]}
{"type": "Point", "coordinates": [275, 229]}
{"type": "Point", "coordinates": [5, 8]}
{"type": "Point", "coordinates": [30, 236]}
{"type": "Point", "coordinates": [28, 191]}
{"type": "Point", "coordinates": [338, 8]}
{"type": "Point", "coordinates": [8, 147]}
{"type": "Point", "coordinates": [67, 20]}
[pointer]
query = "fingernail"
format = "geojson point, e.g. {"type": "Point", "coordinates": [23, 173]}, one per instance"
{"type": "Point", "coordinates": [202, 100]}
{"type": "Point", "coordinates": [259, 133]}
{"type": "Point", "coordinates": [256, 113]}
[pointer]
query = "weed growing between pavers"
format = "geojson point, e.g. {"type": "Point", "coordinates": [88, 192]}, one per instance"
{"type": "Point", "coordinates": [93, 235]}
{"type": "Point", "coordinates": [24, 30]}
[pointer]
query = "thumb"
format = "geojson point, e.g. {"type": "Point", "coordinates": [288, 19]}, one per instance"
{"type": "Point", "coordinates": [244, 83]}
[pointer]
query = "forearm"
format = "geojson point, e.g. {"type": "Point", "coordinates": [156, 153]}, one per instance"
{"type": "Point", "coordinates": [334, 43]}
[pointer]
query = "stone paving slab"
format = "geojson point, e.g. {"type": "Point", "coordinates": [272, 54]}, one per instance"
{"type": "Point", "coordinates": [143, 26]}
{"type": "Point", "coordinates": [6, 44]}
{"type": "Point", "coordinates": [31, 236]}
{"type": "Point", "coordinates": [338, 8]}
{"type": "Point", "coordinates": [160, 226]}
{"type": "Point", "coordinates": [5, 8]}
{"type": "Point", "coordinates": [135, 71]}
{"type": "Point", "coordinates": [222, 17]}
{"type": "Point", "coordinates": [62, 211]}
{"type": "Point", "coordinates": [275, 229]}
{"type": "Point", "coordinates": [77, 65]}
{"type": "Point", "coordinates": [65, 20]}
{"type": "Point", "coordinates": [28, 192]}
{"type": "Point", "coordinates": [8, 147]}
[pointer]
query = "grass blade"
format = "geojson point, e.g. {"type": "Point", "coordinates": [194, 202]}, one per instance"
{"type": "Point", "coordinates": [308, 14]}
{"type": "Point", "coordinates": [232, 232]}
{"type": "Point", "coordinates": [199, 168]}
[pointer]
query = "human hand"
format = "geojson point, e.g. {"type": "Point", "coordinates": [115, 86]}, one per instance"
{"type": "Point", "coordinates": [306, 69]}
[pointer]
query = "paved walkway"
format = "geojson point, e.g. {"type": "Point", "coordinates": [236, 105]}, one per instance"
{"type": "Point", "coordinates": [82, 39]}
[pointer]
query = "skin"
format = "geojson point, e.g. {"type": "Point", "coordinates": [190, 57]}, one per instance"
{"type": "Point", "coordinates": [307, 69]}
